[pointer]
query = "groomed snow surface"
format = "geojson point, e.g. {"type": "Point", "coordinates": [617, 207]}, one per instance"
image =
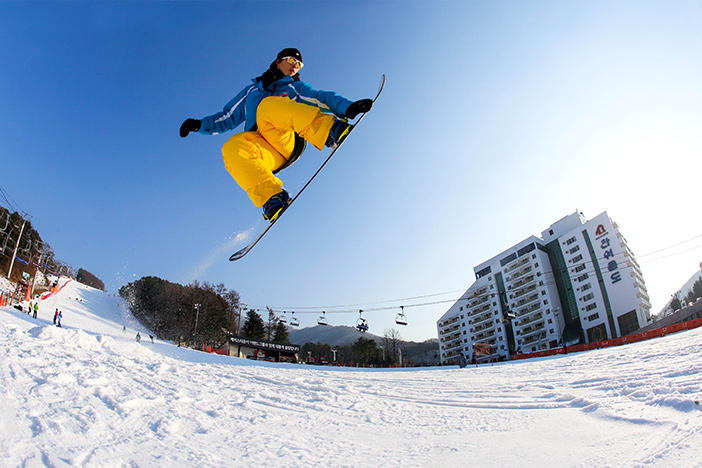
{"type": "Point", "coordinates": [88, 395]}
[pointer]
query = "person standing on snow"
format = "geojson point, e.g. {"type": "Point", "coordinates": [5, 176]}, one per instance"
{"type": "Point", "coordinates": [36, 309]}
{"type": "Point", "coordinates": [280, 114]}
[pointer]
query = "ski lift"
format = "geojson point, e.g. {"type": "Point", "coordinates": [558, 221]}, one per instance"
{"type": "Point", "coordinates": [283, 318]}
{"type": "Point", "coordinates": [361, 323]}
{"type": "Point", "coordinates": [322, 320]}
{"type": "Point", "coordinates": [294, 321]}
{"type": "Point", "coordinates": [400, 318]}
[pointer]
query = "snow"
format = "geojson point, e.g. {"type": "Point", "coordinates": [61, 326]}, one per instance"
{"type": "Point", "coordinates": [88, 395]}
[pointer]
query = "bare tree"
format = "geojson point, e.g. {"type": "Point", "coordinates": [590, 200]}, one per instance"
{"type": "Point", "coordinates": [393, 344]}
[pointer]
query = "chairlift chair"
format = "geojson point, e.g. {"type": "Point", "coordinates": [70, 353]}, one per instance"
{"type": "Point", "coordinates": [283, 318]}
{"type": "Point", "coordinates": [400, 318]}
{"type": "Point", "coordinates": [294, 322]}
{"type": "Point", "coordinates": [322, 320]}
{"type": "Point", "coordinates": [361, 323]}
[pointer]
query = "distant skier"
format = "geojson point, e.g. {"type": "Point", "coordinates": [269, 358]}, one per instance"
{"type": "Point", "coordinates": [280, 114]}
{"type": "Point", "coordinates": [56, 316]}
{"type": "Point", "coordinates": [58, 319]}
{"type": "Point", "coordinates": [138, 337]}
{"type": "Point", "coordinates": [36, 309]}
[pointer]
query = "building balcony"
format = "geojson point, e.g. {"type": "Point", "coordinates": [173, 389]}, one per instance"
{"type": "Point", "coordinates": [531, 319]}
{"type": "Point", "coordinates": [480, 292]}
{"type": "Point", "coordinates": [481, 300]}
{"type": "Point", "coordinates": [532, 328]}
{"type": "Point", "coordinates": [521, 272]}
{"type": "Point", "coordinates": [448, 321]}
{"type": "Point", "coordinates": [523, 281]}
{"type": "Point", "coordinates": [481, 318]}
{"type": "Point", "coordinates": [483, 335]}
{"type": "Point", "coordinates": [480, 310]}
{"type": "Point", "coordinates": [517, 264]}
{"type": "Point", "coordinates": [534, 338]}
{"type": "Point", "coordinates": [523, 291]}
{"type": "Point", "coordinates": [483, 326]}
{"type": "Point", "coordinates": [451, 346]}
{"type": "Point", "coordinates": [446, 339]}
{"type": "Point", "coordinates": [526, 300]}
{"type": "Point", "coordinates": [528, 310]}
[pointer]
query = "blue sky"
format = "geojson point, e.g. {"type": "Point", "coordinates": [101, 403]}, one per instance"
{"type": "Point", "coordinates": [498, 119]}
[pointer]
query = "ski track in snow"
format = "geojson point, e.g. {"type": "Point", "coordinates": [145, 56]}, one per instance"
{"type": "Point", "coordinates": [89, 395]}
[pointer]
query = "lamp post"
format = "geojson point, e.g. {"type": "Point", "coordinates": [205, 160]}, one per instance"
{"type": "Point", "coordinates": [197, 314]}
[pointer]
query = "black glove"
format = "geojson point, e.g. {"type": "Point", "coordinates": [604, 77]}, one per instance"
{"type": "Point", "coordinates": [190, 125]}
{"type": "Point", "coordinates": [364, 105]}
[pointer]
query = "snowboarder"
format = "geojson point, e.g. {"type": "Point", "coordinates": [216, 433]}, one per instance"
{"type": "Point", "coordinates": [36, 309]}
{"type": "Point", "coordinates": [280, 114]}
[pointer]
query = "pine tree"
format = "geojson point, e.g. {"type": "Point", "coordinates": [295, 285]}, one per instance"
{"type": "Point", "coordinates": [281, 334]}
{"type": "Point", "coordinates": [253, 326]}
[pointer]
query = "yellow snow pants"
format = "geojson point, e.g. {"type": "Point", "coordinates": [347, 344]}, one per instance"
{"type": "Point", "coordinates": [252, 157]}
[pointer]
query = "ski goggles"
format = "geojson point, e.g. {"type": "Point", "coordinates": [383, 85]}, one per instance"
{"type": "Point", "coordinates": [293, 61]}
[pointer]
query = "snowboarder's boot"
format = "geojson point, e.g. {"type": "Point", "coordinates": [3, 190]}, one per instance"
{"type": "Point", "coordinates": [338, 133]}
{"type": "Point", "coordinates": [276, 205]}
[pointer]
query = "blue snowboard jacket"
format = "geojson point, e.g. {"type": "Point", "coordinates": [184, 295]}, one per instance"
{"type": "Point", "coordinates": [242, 108]}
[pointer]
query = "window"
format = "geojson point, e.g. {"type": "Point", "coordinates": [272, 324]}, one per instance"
{"type": "Point", "coordinates": [586, 287]}
{"type": "Point", "coordinates": [582, 277]}
{"type": "Point", "coordinates": [578, 258]}
{"type": "Point", "coordinates": [574, 249]}
{"type": "Point", "coordinates": [593, 317]}
{"type": "Point", "coordinates": [580, 268]}
{"type": "Point", "coordinates": [628, 322]}
{"type": "Point", "coordinates": [570, 241]}
{"type": "Point", "coordinates": [589, 307]}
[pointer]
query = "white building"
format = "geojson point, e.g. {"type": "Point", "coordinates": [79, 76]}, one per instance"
{"type": "Point", "coordinates": [578, 283]}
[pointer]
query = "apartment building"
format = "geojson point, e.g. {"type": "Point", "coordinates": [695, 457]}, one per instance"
{"type": "Point", "coordinates": [579, 282]}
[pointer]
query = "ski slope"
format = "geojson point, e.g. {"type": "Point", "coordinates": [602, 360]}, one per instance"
{"type": "Point", "coordinates": [88, 395]}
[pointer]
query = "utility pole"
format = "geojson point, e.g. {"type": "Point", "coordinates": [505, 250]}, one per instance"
{"type": "Point", "coordinates": [14, 254]}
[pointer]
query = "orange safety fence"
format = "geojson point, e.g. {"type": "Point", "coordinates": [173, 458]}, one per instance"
{"type": "Point", "coordinates": [54, 290]}
{"type": "Point", "coordinates": [647, 335]}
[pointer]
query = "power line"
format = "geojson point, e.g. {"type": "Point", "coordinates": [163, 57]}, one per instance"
{"type": "Point", "coordinates": [406, 302]}
{"type": "Point", "coordinates": [12, 205]}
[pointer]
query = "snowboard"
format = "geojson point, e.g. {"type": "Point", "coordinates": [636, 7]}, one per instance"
{"type": "Point", "coordinates": [241, 253]}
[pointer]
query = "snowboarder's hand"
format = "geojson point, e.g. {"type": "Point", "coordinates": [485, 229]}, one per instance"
{"type": "Point", "coordinates": [358, 107]}
{"type": "Point", "coordinates": [190, 125]}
